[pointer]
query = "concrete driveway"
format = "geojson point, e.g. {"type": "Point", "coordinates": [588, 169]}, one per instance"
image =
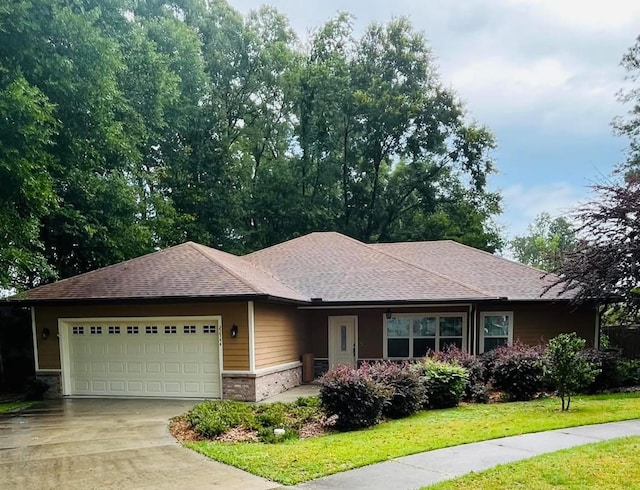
{"type": "Point", "coordinates": [89, 444]}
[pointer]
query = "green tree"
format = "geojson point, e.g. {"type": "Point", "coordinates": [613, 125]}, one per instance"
{"type": "Point", "coordinates": [135, 125]}
{"type": "Point", "coordinates": [629, 126]}
{"type": "Point", "coordinates": [546, 244]}
{"type": "Point", "coordinates": [27, 129]}
{"type": "Point", "coordinates": [374, 113]}
{"type": "Point", "coordinates": [566, 369]}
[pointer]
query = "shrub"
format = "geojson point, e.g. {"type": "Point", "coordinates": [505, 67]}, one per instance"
{"type": "Point", "coordinates": [354, 396]}
{"type": "Point", "coordinates": [444, 383]}
{"type": "Point", "coordinates": [214, 417]}
{"type": "Point", "coordinates": [271, 415]}
{"type": "Point", "coordinates": [630, 372]}
{"type": "Point", "coordinates": [403, 381]}
{"type": "Point", "coordinates": [608, 362]}
{"type": "Point", "coordinates": [566, 368]}
{"type": "Point", "coordinates": [477, 389]}
{"type": "Point", "coordinates": [518, 370]}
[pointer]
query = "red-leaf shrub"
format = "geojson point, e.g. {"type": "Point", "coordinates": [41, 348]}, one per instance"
{"type": "Point", "coordinates": [518, 370]}
{"type": "Point", "coordinates": [403, 380]}
{"type": "Point", "coordinates": [354, 396]}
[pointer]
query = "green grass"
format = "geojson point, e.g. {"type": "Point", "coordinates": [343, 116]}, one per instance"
{"type": "Point", "coordinates": [610, 465]}
{"type": "Point", "coordinates": [302, 460]}
{"type": "Point", "coordinates": [8, 406]}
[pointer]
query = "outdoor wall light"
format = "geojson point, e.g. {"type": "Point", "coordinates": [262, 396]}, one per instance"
{"type": "Point", "coordinates": [45, 333]}
{"type": "Point", "coordinates": [234, 331]}
{"type": "Point", "coordinates": [389, 314]}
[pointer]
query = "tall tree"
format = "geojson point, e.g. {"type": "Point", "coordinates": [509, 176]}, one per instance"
{"type": "Point", "coordinates": [546, 244]}
{"type": "Point", "coordinates": [374, 112]}
{"type": "Point", "coordinates": [27, 129]}
{"type": "Point", "coordinates": [130, 125]}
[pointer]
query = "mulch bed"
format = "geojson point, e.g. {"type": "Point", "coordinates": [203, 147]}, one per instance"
{"type": "Point", "coordinates": [180, 429]}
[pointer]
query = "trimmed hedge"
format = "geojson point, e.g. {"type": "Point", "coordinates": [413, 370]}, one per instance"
{"type": "Point", "coordinates": [477, 389]}
{"type": "Point", "coordinates": [444, 383]}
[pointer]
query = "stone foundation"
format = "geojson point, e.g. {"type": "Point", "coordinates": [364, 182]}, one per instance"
{"type": "Point", "coordinates": [256, 387]}
{"type": "Point", "coordinates": [54, 381]}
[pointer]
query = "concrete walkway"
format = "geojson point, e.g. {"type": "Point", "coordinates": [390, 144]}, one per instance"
{"type": "Point", "coordinates": [423, 469]}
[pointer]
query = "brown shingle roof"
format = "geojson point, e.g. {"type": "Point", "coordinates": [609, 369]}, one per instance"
{"type": "Point", "coordinates": [337, 268]}
{"type": "Point", "coordinates": [324, 265]}
{"type": "Point", "coordinates": [187, 270]}
{"type": "Point", "coordinates": [496, 276]}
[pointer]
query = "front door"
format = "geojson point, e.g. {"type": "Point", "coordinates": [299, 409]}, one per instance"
{"type": "Point", "coordinates": [342, 340]}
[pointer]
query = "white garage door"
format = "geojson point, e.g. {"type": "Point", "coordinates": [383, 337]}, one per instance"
{"type": "Point", "coordinates": [160, 357]}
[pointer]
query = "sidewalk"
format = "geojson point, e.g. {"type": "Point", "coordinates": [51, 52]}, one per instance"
{"type": "Point", "coordinates": [418, 470]}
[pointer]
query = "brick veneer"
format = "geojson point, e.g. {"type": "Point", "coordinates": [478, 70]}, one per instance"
{"type": "Point", "coordinates": [256, 387]}
{"type": "Point", "coordinates": [54, 381]}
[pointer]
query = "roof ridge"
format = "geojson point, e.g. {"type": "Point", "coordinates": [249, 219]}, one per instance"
{"type": "Point", "coordinates": [205, 254]}
{"type": "Point", "coordinates": [443, 276]}
{"type": "Point", "coordinates": [248, 264]}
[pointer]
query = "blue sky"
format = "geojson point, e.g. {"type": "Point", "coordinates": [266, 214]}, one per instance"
{"type": "Point", "coordinates": [541, 74]}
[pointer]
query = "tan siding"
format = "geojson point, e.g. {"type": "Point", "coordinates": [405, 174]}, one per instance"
{"type": "Point", "coordinates": [538, 323]}
{"type": "Point", "coordinates": [235, 352]}
{"type": "Point", "coordinates": [279, 334]}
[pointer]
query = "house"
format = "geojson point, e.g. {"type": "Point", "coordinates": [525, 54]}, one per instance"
{"type": "Point", "coordinates": [192, 321]}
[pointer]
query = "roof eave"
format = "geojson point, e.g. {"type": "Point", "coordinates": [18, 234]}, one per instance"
{"type": "Point", "coordinates": [149, 300]}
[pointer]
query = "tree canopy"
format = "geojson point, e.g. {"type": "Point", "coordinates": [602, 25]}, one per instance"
{"type": "Point", "coordinates": [131, 125]}
{"type": "Point", "coordinates": [546, 243]}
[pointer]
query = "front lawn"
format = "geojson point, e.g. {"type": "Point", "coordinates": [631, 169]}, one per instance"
{"type": "Point", "coordinates": [609, 465]}
{"type": "Point", "coordinates": [8, 406]}
{"type": "Point", "coordinates": [296, 461]}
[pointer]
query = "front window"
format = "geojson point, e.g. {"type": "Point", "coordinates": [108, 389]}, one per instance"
{"type": "Point", "coordinates": [413, 335]}
{"type": "Point", "coordinates": [497, 329]}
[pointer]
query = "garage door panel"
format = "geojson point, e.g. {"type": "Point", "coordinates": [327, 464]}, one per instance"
{"type": "Point", "coordinates": [153, 368]}
{"type": "Point", "coordinates": [171, 348]}
{"type": "Point", "coordinates": [134, 367]}
{"type": "Point", "coordinates": [172, 367]}
{"type": "Point", "coordinates": [141, 358]}
{"type": "Point", "coordinates": [116, 367]}
{"type": "Point", "coordinates": [117, 386]}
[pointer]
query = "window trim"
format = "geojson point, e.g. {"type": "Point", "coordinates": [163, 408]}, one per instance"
{"type": "Point", "coordinates": [483, 315]}
{"type": "Point", "coordinates": [437, 315]}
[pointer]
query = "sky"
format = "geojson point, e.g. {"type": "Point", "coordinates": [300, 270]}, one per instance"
{"type": "Point", "coordinates": [541, 74]}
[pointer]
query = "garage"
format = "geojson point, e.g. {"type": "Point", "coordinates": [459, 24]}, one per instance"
{"type": "Point", "coordinates": [165, 357]}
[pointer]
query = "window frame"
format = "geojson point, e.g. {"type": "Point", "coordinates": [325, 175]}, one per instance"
{"type": "Point", "coordinates": [438, 337]}
{"type": "Point", "coordinates": [481, 337]}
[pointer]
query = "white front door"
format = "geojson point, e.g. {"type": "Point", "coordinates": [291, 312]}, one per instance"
{"type": "Point", "coordinates": [342, 340]}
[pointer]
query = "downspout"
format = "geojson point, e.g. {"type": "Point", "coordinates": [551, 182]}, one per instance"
{"type": "Point", "coordinates": [472, 326]}
{"type": "Point", "coordinates": [599, 312]}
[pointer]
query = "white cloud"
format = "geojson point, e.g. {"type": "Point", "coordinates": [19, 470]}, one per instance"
{"type": "Point", "coordinates": [588, 15]}
{"type": "Point", "coordinates": [523, 203]}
